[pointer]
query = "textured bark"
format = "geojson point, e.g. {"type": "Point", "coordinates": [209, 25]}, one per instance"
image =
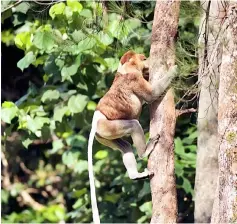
{"type": "Point", "coordinates": [163, 120]}
{"type": "Point", "coordinates": [210, 53]}
{"type": "Point", "coordinates": [226, 200]}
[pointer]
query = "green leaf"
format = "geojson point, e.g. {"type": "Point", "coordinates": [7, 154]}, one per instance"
{"type": "Point", "coordinates": [26, 61]}
{"type": "Point", "coordinates": [59, 112]}
{"type": "Point", "coordinates": [16, 188]}
{"type": "Point", "coordinates": [142, 219]}
{"type": "Point", "coordinates": [50, 95]}
{"type": "Point", "coordinates": [113, 62]}
{"type": "Point", "coordinates": [101, 154]}
{"type": "Point", "coordinates": [78, 141]}
{"type": "Point", "coordinates": [8, 113]}
{"type": "Point", "coordinates": [132, 24]}
{"type": "Point", "coordinates": [91, 105]}
{"type": "Point", "coordinates": [40, 60]}
{"type": "Point", "coordinates": [86, 13]}
{"type": "Point", "coordinates": [146, 207]}
{"type": "Point", "coordinates": [8, 104]}
{"type": "Point", "coordinates": [179, 148]}
{"type": "Point", "coordinates": [23, 7]}
{"type": "Point", "coordinates": [57, 145]}
{"type": "Point", "coordinates": [79, 193]}
{"type": "Point", "coordinates": [179, 168]}
{"type": "Point", "coordinates": [145, 190]}
{"type": "Point", "coordinates": [65, 96]}
{"type": "Point", "coordinates": [54, 213]}
{"type": "Point", "coordinates": [43, 40]}
{"type": "Point", "coordinates": [35, 124]}
{"type": "Point", "coordinates": [70, 158]}
{"type": "Point", "coordinates": [100, 60]}
{"type": "Point", "coordinates": [105, 38]}
{"type": "Point", "coordinates": [57, 9]}
{"type": "Point", "coordinates": [67, 72]}
{"type": "Point", "coordinates": [78, 60]}
{"type": "Point", "coordinates": [4, 196]}
{"type": "Point", "coordinates": [68, 13]}
{"type": "Point", "coordinates": [77, 103]}
{"type": "Point", "coordinates": [27, 142]}
{"type": "Point", "coordinates": [78, 203]}
{"type": "Point", "coordinates": [78, 36]}
{"type": "Point", "coordinates": [187, 186]}
{"type": "Point", "coordinates": [74, 5]}
{"type": "Point", "coordinates": [23, 40]}
{"type": "Point", "coordinates": [113, 26]}
{"type": "Point", "coordinates": [86, 44]}
{"type": "Point", "coordinates": [112, 197]}
{"type": "Point", "coordinates": [81, 166]}
{"type": "Point", "coordinates": [59, 62]}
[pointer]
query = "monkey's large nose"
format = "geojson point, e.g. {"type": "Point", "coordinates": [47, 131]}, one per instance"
{"type": "Point", "coordinates": [146, 63]}
{"type": "Point", "coordinates": [145, 73]}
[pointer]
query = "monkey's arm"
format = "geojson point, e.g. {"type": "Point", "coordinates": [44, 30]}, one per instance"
{"type": "Point", "coordinates": [152, 92]}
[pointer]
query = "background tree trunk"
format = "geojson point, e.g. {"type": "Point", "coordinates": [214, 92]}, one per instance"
{"type": "Point", "coordinates": [210, 53]}
{"type": "Point", "coordinates": [226, 199]}
{"type": "Point", "coordinates": [163, 119]}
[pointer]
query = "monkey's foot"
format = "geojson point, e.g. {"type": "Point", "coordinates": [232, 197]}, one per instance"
{"type": "Point", "coordinates": [150, 146]}
{"type": "Point", "coordinates": [144, 175]}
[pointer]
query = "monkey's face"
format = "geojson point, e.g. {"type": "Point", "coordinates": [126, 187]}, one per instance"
{"type": "Point", "coordinates": [145, 71]}
{"type": "Point", "coordinates": [131, 62]}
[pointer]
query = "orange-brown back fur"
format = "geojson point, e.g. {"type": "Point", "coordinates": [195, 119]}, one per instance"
{"type": "Point", "coordinates": [117, 102]}
{"type": "Point", "coordinates": [123, 100]}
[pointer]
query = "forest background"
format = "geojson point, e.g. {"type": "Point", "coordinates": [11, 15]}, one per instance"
{"type": "Point", "coordinates": [58, 60]}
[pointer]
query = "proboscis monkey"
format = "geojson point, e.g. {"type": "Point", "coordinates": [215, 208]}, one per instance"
{"type": "Point", "coordinates": [117, 115]}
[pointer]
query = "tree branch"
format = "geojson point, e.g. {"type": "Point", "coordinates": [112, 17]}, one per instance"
{"type": "Point", "coordinates": [185, 111]}
{"type": "Point", "coordinates": [25, 196]}
{"type": "Point", "coordinates": [11, 6]}
{"type": "Point", "coordinates": [163, 116]}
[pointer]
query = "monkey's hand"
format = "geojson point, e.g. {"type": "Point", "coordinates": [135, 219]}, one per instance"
{"type": "Point", "coordinates": [144, 175]}
{"type": "Point", "coordinates": [173, 72]}
{"type": "Point", "coordinates": [150, 146]}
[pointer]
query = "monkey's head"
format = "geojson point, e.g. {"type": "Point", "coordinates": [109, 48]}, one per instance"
{"type": "Point", "coordinates": [135, 63]}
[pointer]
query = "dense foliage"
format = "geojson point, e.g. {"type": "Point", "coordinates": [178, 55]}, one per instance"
{"type": "Point", "coordinates": [71, 52]}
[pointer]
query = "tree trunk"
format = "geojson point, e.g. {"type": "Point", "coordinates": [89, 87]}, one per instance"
{"type": "Point", "coordinates": [163, 119]}
{"type": "Point", "coordinates": [226, 199]}
{"type": "Point", "coordinates": [210, 53]}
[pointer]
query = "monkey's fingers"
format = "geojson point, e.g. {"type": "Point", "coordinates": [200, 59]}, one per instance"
{"type": "Point", "coordinates": [144, 175]}
{"type": "Point", "coordinates": [173, 71]}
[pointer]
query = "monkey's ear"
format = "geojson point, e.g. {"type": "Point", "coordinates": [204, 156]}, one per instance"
{"type": "Point", "coordinates": [126, 57]}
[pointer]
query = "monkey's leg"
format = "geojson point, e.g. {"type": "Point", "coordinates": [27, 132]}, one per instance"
{"type": "Point", "coordinates": [128, 157]}
{"type": "Point", "coordinates": [150, 146]}
{"type": "Point", "coordinates": [113, 129]}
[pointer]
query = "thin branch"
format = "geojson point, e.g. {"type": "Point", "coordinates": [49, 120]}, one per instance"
{"type": "Point", "coordinates": [6, 177]}
{"type": "Point", "coordinates": [43, 3]}
{"type": "Point", "coordinates": [185, 111]}
{"type": "Point", "coordinates": [28, 200]}
{"type": "Point", "coordinates": [11, 6]}
{"type": "Point", "coordinates": [26, 197]}
{"type": "Point", "coordinates": [25, 169]}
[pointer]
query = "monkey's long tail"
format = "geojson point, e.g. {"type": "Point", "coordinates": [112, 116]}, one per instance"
{"type": "Point", "coordinates": [97, 115]}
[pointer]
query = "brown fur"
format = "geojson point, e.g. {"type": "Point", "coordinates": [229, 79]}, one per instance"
{"type": "Point", "coordinates": [126, 57]}
{"type": "Point", "coordinates": [125, 97]}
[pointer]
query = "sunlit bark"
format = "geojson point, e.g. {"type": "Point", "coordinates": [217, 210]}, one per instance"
{"type": "Point", "coordinates": [210, 52]}
{"type": "Point", "coordinates": [163, 117]}
{"type": "Point", "coordinates": [225, 210]}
